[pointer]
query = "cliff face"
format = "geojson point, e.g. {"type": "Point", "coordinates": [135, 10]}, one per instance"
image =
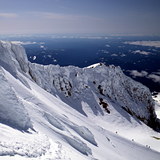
{"type": "Point", "coordinates": [99, 86]}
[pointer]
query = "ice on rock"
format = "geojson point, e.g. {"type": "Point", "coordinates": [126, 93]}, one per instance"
{"type": "Point", "coordinates": [13, 57]}
{"type": "Point", "coordinates": [12, 111]}
{"type": "Point", "coordinates": [20, 56]}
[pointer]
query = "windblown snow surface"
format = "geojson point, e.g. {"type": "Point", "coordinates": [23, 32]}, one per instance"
{"type": "Point", "coordinates": [69, 113]}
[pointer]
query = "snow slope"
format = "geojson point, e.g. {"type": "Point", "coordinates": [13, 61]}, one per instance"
{"type": "Point", "coordinates": [82, 121]}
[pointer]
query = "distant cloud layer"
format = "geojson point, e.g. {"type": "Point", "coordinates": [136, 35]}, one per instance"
{"type": "Point", "coordinates": [141, 52]}
{"type": "Point", "coordinates": [154, 76]}
{"type": "Point", "coordinates": [135, 73]}
{"type": "Point", "coordinates": [23, 43]}
{"type": "Point", "coordinates": [113, 17]}
{"type": "Point", "coordinates": [114, 55]}
{"type": "Point", "coordinates": [8, 15]}
{"type": "Point", "coordinates": [48, 22]}
{"type": "Point", "coordinates": [145, 43]}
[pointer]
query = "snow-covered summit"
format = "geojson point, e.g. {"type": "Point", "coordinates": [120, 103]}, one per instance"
{"type": "Point", "coordinates": [95, 65]}
{"type": "Point", "coordinates": [83, 111]}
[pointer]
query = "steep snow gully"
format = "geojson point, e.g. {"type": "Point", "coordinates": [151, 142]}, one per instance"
{"type": "Point", "coordinates": [70, 113]}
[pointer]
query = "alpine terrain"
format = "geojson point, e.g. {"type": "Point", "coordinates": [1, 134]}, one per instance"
{"type": "Point", "coordinates": [69, 113]}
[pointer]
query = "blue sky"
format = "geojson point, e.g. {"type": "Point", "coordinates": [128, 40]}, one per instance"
{"type": "Point", "coordinates": [80, 16]}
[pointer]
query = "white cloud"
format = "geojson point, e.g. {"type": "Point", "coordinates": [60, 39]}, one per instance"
{"type": "Point", "coordinates": [145, 43]}
{"type": "Point", "coordinates": [103, 51]}
{"type": "Point", "coordinates": [114, 55]}
{"type": "Point", "coordinates": [49, 15]}
{"type": "Point", "coordinates": [158, 72]}
{"type": "Point", "coordinates": [50, 22]}
{"type": "Point", "coordinates": [123, 55]}
{"type": "Point", "coordinates": [141, 52]}
{"type": "Point", "coordinates": [23, 43]}
{"type": "Point", "coordinates": [8, 15]}
{"type": "Point", "coordinates": [91, 37]}
{"type": "Point", "coordinates": [154, 77]}
{"type": "Point", "coordinates": [60, 16]}
{"type": "Point", "coordinates": [136, 73]}
{"type": "Point", "coordinates": [107, 45]}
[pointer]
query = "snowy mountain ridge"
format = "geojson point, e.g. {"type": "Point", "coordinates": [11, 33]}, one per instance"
{"type": "Point", "coordinates": [86, 106]}
{"type": "Point", "coordinates": [108, 81]}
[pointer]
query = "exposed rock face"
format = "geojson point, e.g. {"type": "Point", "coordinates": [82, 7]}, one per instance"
{"type": "Point", "coordinates": [107, 82]}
